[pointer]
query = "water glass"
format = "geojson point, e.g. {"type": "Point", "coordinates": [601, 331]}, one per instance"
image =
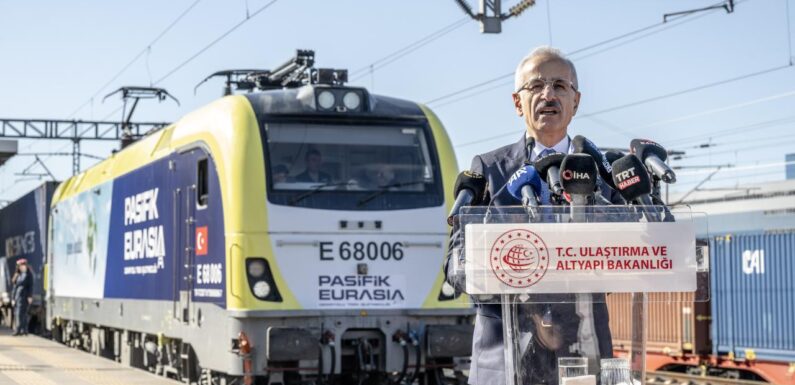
{"type": "Point", "coordinates": [615, 371]}
{"type": "Point", "coordinates": [572, 367]}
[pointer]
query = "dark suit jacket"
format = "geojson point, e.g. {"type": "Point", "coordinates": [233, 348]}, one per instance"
{"type": "Point", "coordinates": [488, 361]}
{"type": "Point", "coordinates": [321, 178]}
{"type": "Point", "coordinates": [23, 287]}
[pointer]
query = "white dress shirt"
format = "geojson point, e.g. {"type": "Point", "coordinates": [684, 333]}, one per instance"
{"type": "Point", "coordinates": [564, 147]}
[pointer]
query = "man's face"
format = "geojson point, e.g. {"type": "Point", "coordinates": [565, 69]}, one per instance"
{"type": "Point", "coordinates": [550, 108]}
{"type": "Point", "coordinates": [23, 268]}
{"type": "Point", "coordinates": [313, 162]}
{"type": "Point", "coordinates": [384, 176]}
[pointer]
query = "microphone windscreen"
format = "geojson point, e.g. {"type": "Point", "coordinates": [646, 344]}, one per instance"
{"type": "Point", "coordinates": [472, 181]}
{"type": "Point", "coordinates": [542, 165]}
{"type": "Point", "coordinates": [631, 178]}
{"type": "Point", "coordinates": [613, 156]}
{"type": "Point", "coordinates": [582, 145]}
{"type": "Point", "coordinates": [644, 147]}
{"type": "Point", "coordinates": [525, 176]}
{"type": "Point", "coordinates": [578, 174]}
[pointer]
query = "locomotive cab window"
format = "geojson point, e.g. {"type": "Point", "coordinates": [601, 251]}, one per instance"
{"type": "Point", "coordinates": [202, 184]}
{"type": "Point", "coordinates": [352, 167]}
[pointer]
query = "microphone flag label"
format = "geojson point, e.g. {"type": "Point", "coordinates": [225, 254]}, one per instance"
{"type": "Point", "coordinates": [606, 257]}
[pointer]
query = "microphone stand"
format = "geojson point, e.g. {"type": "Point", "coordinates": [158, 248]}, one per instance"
{"type": "Point", "coordinates": [587, 340]}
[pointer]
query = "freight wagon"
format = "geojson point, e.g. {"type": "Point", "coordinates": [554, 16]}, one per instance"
{"type": "Point", "coordinates": [745, 331]}
{"type": "Point", "coordinates": [23, 234]}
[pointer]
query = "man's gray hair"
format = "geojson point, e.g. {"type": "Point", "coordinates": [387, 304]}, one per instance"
{"type": "Point", "coordinates": [542, 54]}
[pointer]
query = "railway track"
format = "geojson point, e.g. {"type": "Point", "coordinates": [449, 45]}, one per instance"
{"type": "Point", "coordinates": [673, 378]}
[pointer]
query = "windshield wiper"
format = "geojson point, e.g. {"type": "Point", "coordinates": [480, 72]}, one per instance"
{"type": "Point", "coordinates": [314, 191]}
{"type": "Point", "coordinates": [385, 188]}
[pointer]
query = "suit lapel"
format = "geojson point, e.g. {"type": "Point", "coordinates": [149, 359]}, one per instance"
{"type": "Point", "coordinates": [513, 159]}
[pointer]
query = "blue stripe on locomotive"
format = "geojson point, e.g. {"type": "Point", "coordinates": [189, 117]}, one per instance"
{"type": "Point", "coordinates": [141, 265]}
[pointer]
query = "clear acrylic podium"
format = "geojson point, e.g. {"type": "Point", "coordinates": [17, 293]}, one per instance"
{"type": "Point", "coordinates": [552, 270]}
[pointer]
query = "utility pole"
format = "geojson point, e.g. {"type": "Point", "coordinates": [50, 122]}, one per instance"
{"type": "Point", "coordinates": [490, 14]}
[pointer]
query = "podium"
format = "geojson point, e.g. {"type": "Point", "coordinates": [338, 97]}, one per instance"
{"type": "Point", "coordinates": [551, 271]}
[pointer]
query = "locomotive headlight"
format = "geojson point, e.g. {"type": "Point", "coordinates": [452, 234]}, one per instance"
{"type": "Point", "coordinates": [256, 268]}
{"type": "Point", "coordinates": [352, 100]}
{"type": "Point", "coordinates": [260, 280]}
{"type": "Point", "coordinates": [261, 289]}
{"type": "Point", "coordinates": [447, 290]}
{"type": "Point", "coordinates": [326, 100]}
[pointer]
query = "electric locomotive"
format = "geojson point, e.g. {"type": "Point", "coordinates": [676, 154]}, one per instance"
{"type": "Point", "coordinates": [292, 233]}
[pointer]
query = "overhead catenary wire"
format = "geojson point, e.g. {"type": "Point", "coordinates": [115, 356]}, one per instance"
{"type": "Point", "coordinates": [215, 41]}
{"type": "Point", "coordinates": [120, 72]}
{"type": "Point", "coordinates": [626, 105]}
{"type": "Point", "coordinates": [734, 168]}
{"type": "Point", "coordinates": [113, 78]}
{"type": "Point", "coordinates": [687, 90]}
{"type": "Point", "coordinates": [734, 130]}
{"type": "Point", "coordinates": [407, 49]}
{"type": "Point", "coordinates": [748, 180]}
{"type": "Point", "coordinates": [661, 26]}
{"type": "Point", "coordinates": [734, 175]}
{"type": "Point", "coordinates": [776, 142]}
{"type": "Point", "coordinates": [249, 16]}
{"type": "Point", "coordinates": [711, 145]}
{"type": "Point", "coordinates": [712, 111]}
{"type": "Point", "coordinates": [144, 51]}
{"type": "Point", "coordinates": [660, 122]}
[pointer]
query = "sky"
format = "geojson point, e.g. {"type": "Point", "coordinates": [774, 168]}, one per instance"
{"type": "Point", "coordinates": [717, 78]}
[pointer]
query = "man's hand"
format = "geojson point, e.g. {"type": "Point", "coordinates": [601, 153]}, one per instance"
{"type": "Point", "coordinates": [30, 300]}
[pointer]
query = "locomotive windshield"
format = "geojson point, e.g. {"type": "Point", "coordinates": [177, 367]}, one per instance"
{"type": "Point", "coordinates": [351, 167]}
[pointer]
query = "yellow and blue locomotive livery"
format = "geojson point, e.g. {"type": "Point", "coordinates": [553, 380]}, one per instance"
{"type": "Point", "coordinates": [291, 233]}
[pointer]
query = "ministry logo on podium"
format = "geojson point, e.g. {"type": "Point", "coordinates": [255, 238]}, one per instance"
{"type": "Point", "coordinates": [519, 258]}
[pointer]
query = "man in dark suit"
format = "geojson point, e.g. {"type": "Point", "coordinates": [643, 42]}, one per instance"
{"type": "Point", "coordinates": [22, 294]}
{"type": "Point", "coordinates": [546, 98]}
{"type": "Point", "coordinates": [313, 173]}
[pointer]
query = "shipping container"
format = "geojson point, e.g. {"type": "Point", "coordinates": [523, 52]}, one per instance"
{"type": "Point", "coordinates": [753, 291]}
{"type": "Point", "coordinates": [676, 323]}
{"type": "Point", "coordinates": [23, 234]}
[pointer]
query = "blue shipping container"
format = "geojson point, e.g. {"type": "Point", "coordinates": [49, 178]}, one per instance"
{"type": "Point", "coordinates": [23, 234]}
{"type": "Point", "coordinates": [753, 295]}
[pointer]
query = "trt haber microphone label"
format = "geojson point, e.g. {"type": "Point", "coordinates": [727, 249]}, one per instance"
{"type": "Point", "coordinates": [627, 178]}
{"type": "Point", "coordinates": [580, 258]}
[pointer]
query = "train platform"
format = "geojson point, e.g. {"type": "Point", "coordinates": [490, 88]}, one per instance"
{"type": "Point", "coordinates": [32, 360]}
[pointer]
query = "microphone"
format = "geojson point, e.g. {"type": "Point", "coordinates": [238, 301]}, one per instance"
{"type": "Point", "coordinates": [634, 184]}
{"type": "Point", "coordinates": [611, 157]}
{"type": "Point", "coordinates": [582, 145]}
{"type": "Point", "coordinates": [578, 173]}
{"type": "Point", "coordinates": [525, 185]}
{"type": "Point", "coordinates": [470, 187]}
{"type": "Point", "coordinates": [549, 166]}
{"type": "Point", "coordinates": [653, 156]}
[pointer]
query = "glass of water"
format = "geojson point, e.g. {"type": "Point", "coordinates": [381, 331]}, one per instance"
{"type": "Point", "coordinates": [572, 367]}
{"type": "Point", "coordinates": [615, 371]}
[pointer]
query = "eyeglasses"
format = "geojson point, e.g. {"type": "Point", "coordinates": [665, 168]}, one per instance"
{"type": "Point", "coordinates": [537, 86]}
